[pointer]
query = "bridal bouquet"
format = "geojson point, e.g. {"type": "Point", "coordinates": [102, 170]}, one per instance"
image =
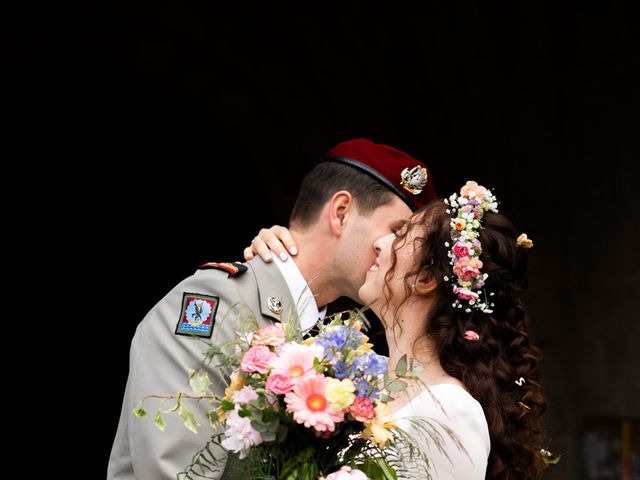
{"type": "Point", "coordinates": [303, 409]}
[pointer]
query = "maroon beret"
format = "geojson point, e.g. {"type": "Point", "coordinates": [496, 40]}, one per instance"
{"type": "Point", "coordinates": [401, 173]}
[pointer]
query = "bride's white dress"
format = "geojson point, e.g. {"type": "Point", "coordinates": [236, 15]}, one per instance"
{"type": "Point", "coordinates": [462, 413]}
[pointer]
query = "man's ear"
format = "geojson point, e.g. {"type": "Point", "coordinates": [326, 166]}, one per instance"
{"type": "Point", "coordinates": [340, 206]}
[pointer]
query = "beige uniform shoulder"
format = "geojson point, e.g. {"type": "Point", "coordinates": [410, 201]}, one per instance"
{"type": "Point", "coordinates": [162, 351]}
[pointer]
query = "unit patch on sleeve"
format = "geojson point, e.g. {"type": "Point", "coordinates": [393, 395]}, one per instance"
{"type": "Point", "coordinates": [198, 314]}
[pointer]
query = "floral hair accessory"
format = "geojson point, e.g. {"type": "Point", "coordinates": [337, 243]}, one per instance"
{"type": "Point", "coordinates": [524, 242]}
{"type": "Point", "coordinates": [471, 336]}
{"type": "Point", "coordinates": [467, 210]}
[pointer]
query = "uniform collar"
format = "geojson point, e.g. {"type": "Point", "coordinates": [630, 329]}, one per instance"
{"type": "Point", "coordinates": [308, 311]}
{"type": "Point", "coordinates": [271, 286]}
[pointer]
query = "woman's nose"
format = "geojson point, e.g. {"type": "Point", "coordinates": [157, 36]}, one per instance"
{"type": "Point", "coordinates": [382, 242]}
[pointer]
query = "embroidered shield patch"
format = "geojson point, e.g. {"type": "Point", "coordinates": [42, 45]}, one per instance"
{"type": "Point", "coordinates": [197, 315]}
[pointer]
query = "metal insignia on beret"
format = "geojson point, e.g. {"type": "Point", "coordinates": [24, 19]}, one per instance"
{"type": "Point", "coordinates": [414, 180]}
{"type": "Point", "coordinates": [275, 305]}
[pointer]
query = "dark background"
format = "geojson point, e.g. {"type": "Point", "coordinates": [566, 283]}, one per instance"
{"type": "Point", "coordinates": [142, 128]}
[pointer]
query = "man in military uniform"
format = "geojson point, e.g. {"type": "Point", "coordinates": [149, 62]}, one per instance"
{"type": "Point", "coordinates": [361, 192]}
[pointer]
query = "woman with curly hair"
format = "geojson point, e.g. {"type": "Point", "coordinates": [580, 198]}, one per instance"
{"type": "Point", "coordinates": [449, 289]}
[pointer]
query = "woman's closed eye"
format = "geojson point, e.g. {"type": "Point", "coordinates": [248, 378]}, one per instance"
{"type": "Point", "coordinates": [399, 229]}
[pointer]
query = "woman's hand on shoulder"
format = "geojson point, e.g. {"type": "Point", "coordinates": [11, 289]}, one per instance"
{"type": "Point", "coordinates": [276, 239]}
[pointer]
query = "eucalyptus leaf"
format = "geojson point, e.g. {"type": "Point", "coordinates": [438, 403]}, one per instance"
{"type": "Point", "coordinates": [258, 426]}
{"type": "Point", "coordinates": [396, 386]}
{"type": "Point", "coordinates": [385, 398]}
{"type": "Point", "coordinates": [282, 433]}
{"type": "Point", "coordinates": [273, 425]}
{"type": "Point", "coordinates": [269, 415]}
{"type": "Point", "coordinates": [268, 436]}
{"type": "Point", "coordinates": [401, 367]}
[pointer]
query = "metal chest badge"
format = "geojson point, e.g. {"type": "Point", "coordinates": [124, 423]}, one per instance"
{"type": "Point", "coordinates": [275, 305]}
{"type": "Point", "coordinates": [414, 180]}
{"type": "Point", "coordinates": [197, 315]}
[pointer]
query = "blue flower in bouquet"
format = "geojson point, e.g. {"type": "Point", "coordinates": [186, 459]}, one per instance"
{"type": "Point", "coordinates": [338, 340]}
{"type": "Point", "coordinates": [370, 363]}
{"type": "Point", "coordinates": [364, 388]}
{"type": "Point", "coordinates": [341, 370]}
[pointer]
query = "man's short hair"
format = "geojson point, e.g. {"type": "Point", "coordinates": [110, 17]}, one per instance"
{"type": "Point", "coordinates": [327, 178]}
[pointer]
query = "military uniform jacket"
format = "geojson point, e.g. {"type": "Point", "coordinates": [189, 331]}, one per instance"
{"type": "Point", "coordinates": [159, 362]}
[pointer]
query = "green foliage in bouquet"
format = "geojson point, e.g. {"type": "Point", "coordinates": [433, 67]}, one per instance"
{"type": "Point", "coordinates": [299, 409]}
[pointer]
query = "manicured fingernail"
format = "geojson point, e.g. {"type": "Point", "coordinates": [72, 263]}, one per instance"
{"type": "Point", "coordinates": [267, 256]}
{"type": "Point", "coordinates": [293, 250]}
{"type": "Point", "coordinates": [283, 256]}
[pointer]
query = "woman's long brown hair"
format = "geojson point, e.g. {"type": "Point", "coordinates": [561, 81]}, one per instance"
{"type": "Point", "coordinates": [490, 367]}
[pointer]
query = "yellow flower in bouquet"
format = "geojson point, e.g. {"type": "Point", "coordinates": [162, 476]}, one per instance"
{"type": "Point", "coordinates": [340, 393]}
{"type": "Point", "coordinates": [380, 428]}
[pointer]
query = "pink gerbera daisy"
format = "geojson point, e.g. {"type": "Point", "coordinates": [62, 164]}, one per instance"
{"type": "Point", "coordinates": [294, 361]}
{"type": "Point", "coordinates": [310, 406]}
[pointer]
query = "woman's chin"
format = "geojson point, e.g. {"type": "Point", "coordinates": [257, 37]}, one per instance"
{"type": "Point", "coordinates": [372, 302]}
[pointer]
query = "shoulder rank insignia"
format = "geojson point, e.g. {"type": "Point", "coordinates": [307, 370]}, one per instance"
{"type": "Point", "coordinates": [197, 315]}
{"type": "Point", "coordinates": [232, 268]}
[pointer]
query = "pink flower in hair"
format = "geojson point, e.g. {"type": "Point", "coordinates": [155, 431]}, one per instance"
{"type": "Point", "coordinates": [465, 293]}
{"type": "Point", "coordinates": [467, 268]}
{"type": "Point", "coordinates": [471, 336]}
{"type": "Point", "coordinates": [472, 190]}
{"type": "Point", "coordinates": [461, 249]}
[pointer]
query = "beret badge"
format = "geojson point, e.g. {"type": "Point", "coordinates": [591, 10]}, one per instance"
{"type": "Point", "coordinates": [414, 180]}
